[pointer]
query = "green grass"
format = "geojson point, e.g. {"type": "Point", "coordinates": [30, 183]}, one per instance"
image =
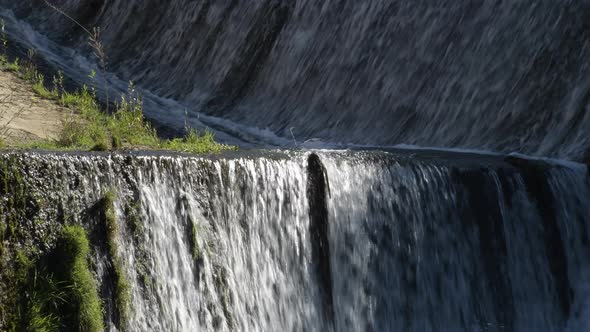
{"type": "Point", "coordinates": [88, 128]}
{"type": "Point", "coordinates": [13, 66]}
{"type": "Point", "coordinates": [83, 297]}
{"type": "Point", "coordinates": [40, 89]}
{"type": "Point", "coordinates": [39, 292]}
{"type": "Point", "coordinates": [194, 142]}
{"type": "Point", "coordinates": [56, 290]}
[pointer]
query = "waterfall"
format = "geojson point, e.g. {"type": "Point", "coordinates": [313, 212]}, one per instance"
{"type": "Point", "coordinates": [430, 247]}
{"type": "Point", "coordinates": [412, 239]}
{"type": "Point", "coordinates": [252, 271]}
{"type": "Point", "coordinates": [460, 243]}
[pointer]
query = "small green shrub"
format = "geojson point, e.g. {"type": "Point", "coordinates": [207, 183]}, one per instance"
{"type": "Point", "coordinates": [85, 135]}
{"type": "Point", "coordinates": [28, 70]}
{"type": "Point", "coordinates": [129, 126]}
{"type": "Point", "coordinates": [71, 133]}
{"type": "Point", "coordinates": [58, 84]}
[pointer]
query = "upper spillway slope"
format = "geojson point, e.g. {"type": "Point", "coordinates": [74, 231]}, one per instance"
{"type": "Point", "coordinates": [500, 76]}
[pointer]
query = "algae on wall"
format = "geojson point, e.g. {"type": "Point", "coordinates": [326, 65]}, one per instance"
{"type": "Point", "coordinates": [48, 277]}
{"type": "Point", "coordinates": [122, 292]}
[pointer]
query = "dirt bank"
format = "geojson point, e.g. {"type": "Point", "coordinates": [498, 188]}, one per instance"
{"type": "Point", "coordinates": [24, 116]}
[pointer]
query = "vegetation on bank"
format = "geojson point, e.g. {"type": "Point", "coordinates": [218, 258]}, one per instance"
{"type": "Point", "coordinates": [90, 128]}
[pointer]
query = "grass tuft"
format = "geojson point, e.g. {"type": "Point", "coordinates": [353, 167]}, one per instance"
{"type": "Point", "coordinates": [40, 89]}
{"type": "Point", "coordinates": [194, 142]}
{"type": "Point", "coordinates": [13, 66]}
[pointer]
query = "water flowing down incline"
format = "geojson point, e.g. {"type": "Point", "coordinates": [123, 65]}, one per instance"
{"type": "Point", "coordinates": [326, 241]}
{"type": "Point", "coordinates": [494, 75]}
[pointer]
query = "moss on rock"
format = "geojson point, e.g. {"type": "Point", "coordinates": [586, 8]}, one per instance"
{"type": "Point", "coordinates": [121, 283]}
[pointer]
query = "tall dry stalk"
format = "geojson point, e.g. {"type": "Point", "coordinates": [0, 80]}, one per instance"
{"type": "Point", "coordinates": [3, 39]}
{"type": "Point", "coordinates": [95, 42]}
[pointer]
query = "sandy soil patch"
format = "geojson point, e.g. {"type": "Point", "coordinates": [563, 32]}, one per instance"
{"type": "Point", "coordinates": [24, 116]}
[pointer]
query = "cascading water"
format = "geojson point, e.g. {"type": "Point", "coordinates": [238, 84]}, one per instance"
{"type": "Point", "coordinates": [430, 247]}
{"type": "Point", "coordinates": [494, 75]}
{"type": "Point", "coordinates": [408, 243]}
{"type": "Point", "coordinates": [252, 269]}
{"type": "Point", "coordinates": [328, 240]}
